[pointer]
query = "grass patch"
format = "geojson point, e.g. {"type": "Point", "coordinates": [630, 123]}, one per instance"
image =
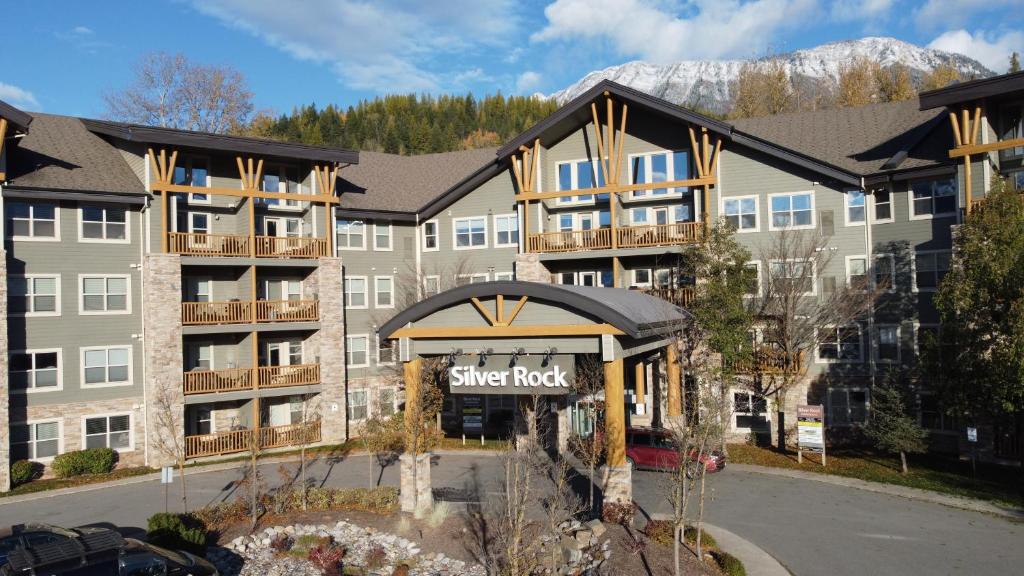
{"type": "Point", "coordinates": [947, 475]}
{"type": "Point", "coordinates": [44, 484]}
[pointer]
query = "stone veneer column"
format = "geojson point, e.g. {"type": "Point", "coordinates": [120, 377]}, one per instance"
{"type": "Point", "coordinates": [530, 269]}
{"type": "Point", "coordinates": [161, 321]}
{"type": "Point", "coordinates": [331, 339]}
{"type": "Point", "coordinates": [5, 398]}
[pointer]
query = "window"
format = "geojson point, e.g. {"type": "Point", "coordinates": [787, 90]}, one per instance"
{"type": "Point", "coordinates": [193, 171]}
{"type": "Point", "coordinates": [885, 272]}
{"type": "Point", "coordinates": [930, 198]}
{"type": "Point", "coordinates": [357, 351]}
{"type": "Point", "coordinates": [382, 236]}
{"type": "Point", "coordinates": [741, 213]}
{"type": "Point", "coordinates": [504, 276]}
{"type": "Point", "coordinates": [659, 167]}
{"type": "Point", "coordinates": [642, 277]}
{"type": "Point", "coordinates": [887, 347]}
{"type": "Point", "coordinates": [35, 440]}
{"type": "Point", "coordinates": [856, 208]}
{"type": "Point", "coordinates": [431, 286]}
{"type": "Point", "coordinates": [108, 432]}
{"type": "Point", "coordinates": [857, 273]}
{"type": "Point", "coordinates": [385, 351]}
{"type": "Point", "coordinates": [384, 288]}
{"type": "Point", "coordinates": [1012, 128]}
{"type": "Point", "coordinates": [430, 236]}
{"type": "Point", "coordinates": [105, 294]}
{"type": "Point", "coordinates": [933, 417]}
{"type": "Point", "coordinates": [847, 407]}
{"type": "Point", "coordinates": [883, 206]}
{"type": "Point", "coordinates": [36, 370]}
{"type": "Point", "coordinates": [791, 211]}
{"type": "Point", "coordinates": [34, 295]}
{"type": "Point", "coordinates": [356, 404]}
{"type": "Point", "coordinates": [101, 223]}
{"type": "Point", "coordinates": [463, 279]}
{"type": "Point", "coordinates": [750, 411]}
{"type": "Point", "coordinates": [579, 175]}
{"type": "Point", "coordinates": [32, 221]}
{"type": "Point", "coordinates": [800, 273]}
{"type": "Point", "coordinates": [351, 235]}
{"type": "Point", "coordinates": [506, 230]}
{"type": "Point", "coordinates": [929, 269]}
{"type": "Point", "coordinates": [470, 233]}
{"type": "Point", "coordinates": [109, 366]}
{"type": "Point", "coordinates": [842, 344]}
{"type": "Point", "coordinates": [282, 180]}
{"type": "Point", "coordinates": [756, 267]}
{"type": "Point", "coordinates": [355, 291]}
{"type": "Point", "coordinates": [386, 401]}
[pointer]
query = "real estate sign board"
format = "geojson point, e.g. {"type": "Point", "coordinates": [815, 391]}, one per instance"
{"type": "Point", "coordinates": [810, 425]}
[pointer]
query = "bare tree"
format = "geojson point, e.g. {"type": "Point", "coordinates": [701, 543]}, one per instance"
{"type": "Point", "coordinates": [169, 90]}
{"type": "Point", "coordinates": [588, 385]}
{"type": "Point", "coordinates": [168, 415]}
{"type": "Point", "coordinates": [310, 414]}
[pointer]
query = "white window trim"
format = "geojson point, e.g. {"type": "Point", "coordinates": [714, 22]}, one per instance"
{"type": "Point", "coordinates": [366, 292]}
{"type": "Point", "coordinates": [868, 272]}
{"type": "Point", "coordinates": [131, 428]}
{"type": "Point", "coordinates": [209, 221]}
{"type": "Point", "coordinates": [847, 206]}
{"type": "Point", "coordinates": [817, 348]}
{"type": "Point", "coordinates": [669, 169]}
{"type": "Point", "coordinates": [814, 204]}
{"type": "Point", "coordinates": [469, 276]}
{"type": "Point", "coordinates": [505, 276]}
{"type": "Point", "coordinates": [81, 367]}
{"type": "Point", "coordinates": [60, 435]}
{"type": "Point", "coordinates": [759, 289]}
{"type": "Point", "coordinates": [60, 371]}
{"type": "Point", "coordinates": [81, 295]}
{"type": "Point", "coordinates": [391, 236]}
{"type": "Point", "coordinates": [437, 235]}
{"type": "Point", "coordinates": [910, 202]}
{"type": "Point", "coordinates": [892, 209]}
{"type": "Point", "coordinates": [757, 211]}
{"type": "Point", "coordinates": [394, 349]}
{"type": "Point", "coordinates": [376, 294]}
{"type": "Point", "coordinates": [455, 234]}
{"type": "Point", "coordinates": [732, 410]}
{"type": "Point", "coordinates": [57, 295]}
{"type": "Point", "coordinates": [574, 182]}
{"type": "Point", "coordinates": [892, 267]}
{"type": "Point", "coordinates": [349, 337]}
{"type": "Point", "coordinates": [650, 278]}
{"type": "Point", "coordinates": [56, 225]}
{"type": "Point", "coordinates": [429, 277]}
{"type": "Point", "coordinates": [366, 229]}
{"type": "Point", "coordinates": [394, 397]}
{"type": "Point", "coordinates": [814, 273]}
{"type": "Point", "coordinates": [876, 344]}
{"type": "Point", "coordinates": [913, 270]}
{"type": "Point", "coordinates": [348, 405]}
{"type": "Point", "coordinates": [515, 242]}
{"type": "Point", "coordinates": [81, 221]}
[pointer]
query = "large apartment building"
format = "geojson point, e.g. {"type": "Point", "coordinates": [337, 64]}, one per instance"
{"type": "Point", "coordinates": [163, 284]}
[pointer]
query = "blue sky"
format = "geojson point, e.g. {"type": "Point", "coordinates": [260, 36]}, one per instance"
{"type": "Point", "coordinates": [61, 56]}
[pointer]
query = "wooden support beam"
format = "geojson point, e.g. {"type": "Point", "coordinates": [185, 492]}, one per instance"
{"type": "Point", "coordinates": [966, 127]}
{"type": "Point", "coordinates": [242, 174]}
{"type": "Point", "coordinates": [615, 413]}
{"type": "Point", "coordinates": [615, 272]}
{"type": "Point", "coordinates": [957, 139]}
{"type": "Point", "coordinates": [713, 171]}
{"type": "Point", "coordinates": [515, 310]}
{"type": "Point", "coordinates": [484, 311]}
{"type": "Point", "coordinates": [706, 150]}
{"type": "Point", "coordinates": [163, 221]}
{"type": "Point", "coordinates": [639, 375]}
{"type": "Point", "coordinates": [506, 331]}
{"type": "Point", "coordinates": [499, 309]}
{"type": "Point", "coordinates": [412, 372]}
{"type": "Point", "coordinates": [696, 153]}
{"type": "Point", "coordinates": [674, 377]}
{"type": "Point", "coordinates": [618, 147]}
{"type": "Point", "coordinates": [3, 133]}
{"type": "Point", "coordinates": [532, 183]}
{"type": "Point", "coordinates": [617, 188]}
{"type": "Point", "coordinates": [971, 149]}
{"type": "Point", "coordinates": [976, 125]}
{"type": "Point", "coordinates": [245, 193]}
{"type": "Point", "coordinates": [597, 134]}
{"type": "Point", "coordinates": [968, 196]}
{"type": "Point", "coordinates": [610, 128]}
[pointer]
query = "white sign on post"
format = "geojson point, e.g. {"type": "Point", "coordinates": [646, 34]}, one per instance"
{"type": "Point", "coordinates": [167, 475]}
{"type": "Point", "coordinates": [972, 434]}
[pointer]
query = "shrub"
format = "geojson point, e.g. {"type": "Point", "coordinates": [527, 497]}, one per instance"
{"type": "Point", "coordinates": [281, 543]}
{"type": "Point", "coordinates": [660, 532]}
{"type": "Point", "coordinates": [177, 532]}
{"type": "Point", "coordinates": [222, 514]}
{"type": "Point", "coordinates": [327, 557]}
{"type": "Point", "coordinates": [730, 565]}
{"type": "Point", "coordinates": [401, 570]}
{"type": "Point", "coordinates": [707, 542]}
{"type": "Point", "coordinates": [23, 472]}
{"type": "Point", "coordinates": [376, 557]}
{"type": "Point", "coordinates": [618, 513]}
{"type": "Point", "coordinates": [90, 461]}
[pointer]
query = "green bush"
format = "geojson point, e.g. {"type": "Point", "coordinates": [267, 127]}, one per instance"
{"type": "Point", "coordinates": [707, 542]}
{"type": "Point", "coordinates": [78, 462]}
{"type": "Point", "coordinates": [730, 565]}
{"type": "Point", "coordinates": [177, 532]}
{"type": "Point", "coordinates": [660, 532]}
{"type": "Point", "coordinates": [23, 472]}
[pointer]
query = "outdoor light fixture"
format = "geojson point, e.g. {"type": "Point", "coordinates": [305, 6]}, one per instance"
{"type": "Point", "coordinates": [483, 354]}
{"type": "Point", "coordinates": [455, 353]}
{"type": "Point", "coordinates": [548, 353]}
{"type": "Point", "coordinates": [516, 352]}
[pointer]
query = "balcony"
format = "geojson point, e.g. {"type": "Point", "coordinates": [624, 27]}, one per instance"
{"type": "Point", "coordinates": [239, 312]}
{"type": "Point", "coordinates": [770, 361]}
{"type": "Point", "coordinates": [678, 296]}
{"type": "Point", "coordinates": [660, 235]}
{"type": "Point", "coordinates": [192, 244]}
{"type": "Point", "coordinates": [573, 241]}
{"type": "Point", "coordinates": [238, 379]}
{"type": "Point", "coordinates": [242, 440]}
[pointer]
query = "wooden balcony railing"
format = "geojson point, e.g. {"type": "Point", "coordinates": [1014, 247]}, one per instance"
{"type": "Point", "coordinates": [574, 241]}
{"type": "Point", "coordinates": [770, 361]}
{"type": "Point", "coordinates": [295, 375]}
{"type": "Point", "coordinates": [240, 440]}
{"type": "Point", "coordinates": [659, 235]}
{"type": "Point", "coordinates": [210, 381]}
{"type": "Point", "coordinates": [287, 310]}
{"type": "Point", "coordinates": [192, 244]}
{"type": "Point", "coordinates": [291, 247]}
{"type": "Point", "coordinates": [235, 312]}
{"type": "Point", "coordinates": [678, 296]}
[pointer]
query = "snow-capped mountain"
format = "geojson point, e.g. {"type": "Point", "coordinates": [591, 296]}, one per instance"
{"type": "Point", "coordinates": [706, 82]}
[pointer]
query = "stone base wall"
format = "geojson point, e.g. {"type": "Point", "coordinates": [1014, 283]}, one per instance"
{"type": "Point", "coordinates": [5, 425]}
{"type": "Point", "coordinates": [331, 345]}
{"type": "Point", "coordinates": [72, 418]}
{"type": "Point", "coordinates": [161, 317]}
{"type": "Point", "coordinates": [529, 268]}
{"type": "Point", "coordinates": [415, 494]}
{"type": "Point", "coordinates": [617, 484]}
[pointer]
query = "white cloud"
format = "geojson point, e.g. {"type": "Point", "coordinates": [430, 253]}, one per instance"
{"type": "Point", "coordinates": [990, 49]}
{"type": "Point", "coordinates": [645, 29]}
{"type": "Point", "coordinates": [18, 97]}
{"type": "Point", "coordinates": [82, 31]}
{"type": "Point", "coordinates": [934, 14]}
{"type": "Point", "coordinates": [383, 46]}
{"type": "Point", "coordinates": [852, 10]}
{"type": "Point", "coordinates": [527, 82]}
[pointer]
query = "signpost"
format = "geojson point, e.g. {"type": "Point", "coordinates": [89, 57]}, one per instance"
{"type": "Point", "coordinates": [166, 478]}
{"type": "Point", "coordinates": [810, 431]}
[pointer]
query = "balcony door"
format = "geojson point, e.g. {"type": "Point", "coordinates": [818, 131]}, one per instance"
{"type": "Point", "coordinates": [282, 227]}
{"type": "Point", "coordinates": [278, 290]}
{"type": "Point", "coordinates": [283, 353]}
{"type": "Point", "coordinates": [197, 290]}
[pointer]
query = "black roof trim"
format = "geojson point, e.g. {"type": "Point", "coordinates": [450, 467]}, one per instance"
{"type": "Point", "coordinates": [925, 130]}
{"type": "Point", "coordinates": [972, 90]}
{"type": "Point", "coordinates": [467, 185]}
{"type": "Point", "coordinates": [375, 215]}
{"type": "Point", "coordinates": [243, 144]}
{"type": "Point", "coordinates": [795, 158]}
{"type": "Point", "coordinates": [75, 195]}
{"type": "Point", "coordinates": [574, 299]}
{"type": "Point", "coordinates": [20, 119]}
{"type": "Point", "coordinates": [910, 174]}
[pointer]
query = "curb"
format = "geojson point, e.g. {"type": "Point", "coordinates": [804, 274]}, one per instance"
{"type": "Point", "coordinates": [755, 560]}
{"type": "Point", "coordinates": [918, 494]}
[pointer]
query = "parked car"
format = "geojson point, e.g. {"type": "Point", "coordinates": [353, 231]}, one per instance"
{"type": "Point", "coordinates": [654, 449]}
{"type": "Point", "coordinates": [43, 550]}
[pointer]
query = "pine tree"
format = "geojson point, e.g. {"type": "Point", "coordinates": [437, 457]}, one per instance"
{"type": "Point", "coordinates": [1014, 63]}
{"type": "Point", "coordinates": [891, 428]}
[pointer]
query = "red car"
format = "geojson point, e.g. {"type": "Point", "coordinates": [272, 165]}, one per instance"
{"type": "Point", "coordinates": [654, 449]}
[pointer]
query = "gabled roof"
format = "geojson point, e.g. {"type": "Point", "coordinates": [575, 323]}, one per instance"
{"type": "Point", "coordinates": [221, 142]}
{"type": "Point", "coordinates": [60, 154]}
{"type": "Point", "coordinates": [637, 314]}
{"type": "Point", "coordinates": [19, 119]}
{"type": "Point", "coordinates": [972, 90]}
